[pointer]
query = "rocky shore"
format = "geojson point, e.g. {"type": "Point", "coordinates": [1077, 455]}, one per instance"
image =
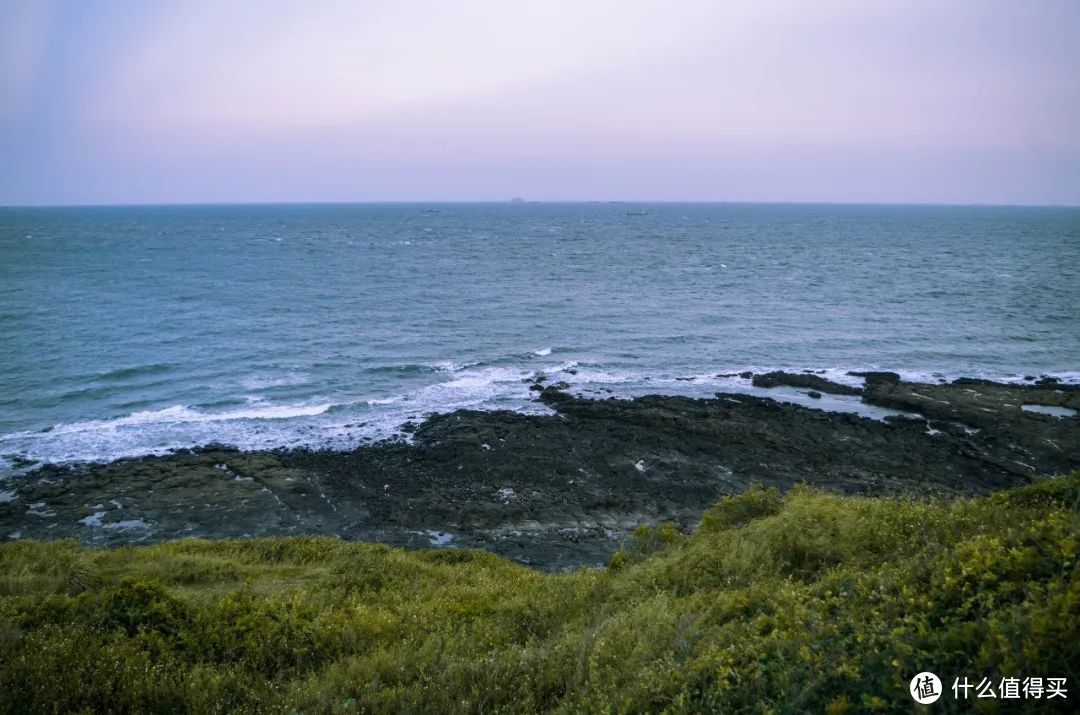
{"type": "Point", "coordinates": [563, 490]}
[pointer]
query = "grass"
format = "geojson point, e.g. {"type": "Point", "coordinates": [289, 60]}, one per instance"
{"type": "Point", "coordinates": [802, 602]}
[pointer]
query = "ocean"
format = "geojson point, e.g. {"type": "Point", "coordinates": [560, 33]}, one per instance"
{"type": "Point", "coordinates": [133, 330]}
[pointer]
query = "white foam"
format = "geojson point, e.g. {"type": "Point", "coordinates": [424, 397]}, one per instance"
{"type": "Point", "coordinates": [839, 373]}
{"type": "Point", "coordinates": [451, 366]}
{"type": "Point", "coordinates": [264, 426]}
{"type": "Point", "coordinates": [93, 520]}
{"type": "Point", "coordinates": [439, 538]}
{"type": "Point", "coordinates": [542, 352]}
{"type": "Point", "coordinates": [482, 380]}
{"type": "Point", "coordinates": [182, 413]}
{"type": "Point", "coordinates": [592, 375]}
{"type": "Point", "coordinates": [261, 382]}
{"type": "Point", "coordinates": [40, 509]}
{"type": "Point", "coordinates": [276, 412]}
{"type": "Point", "coordinates": [126, 524]}
{"type": "Point", "coordinates": [706, 384]}
{"type": "Point", "coordinates": [344, 423]}
{"type": "Point", "coordinates": [1009, 378]}
{"type": "Point", "coordinates": [159, 431]}
{"type": "Point", "coordinates": [6, 497]}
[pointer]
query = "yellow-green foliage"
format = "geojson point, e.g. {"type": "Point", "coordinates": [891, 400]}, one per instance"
{"type": "Point", "coordinates": [804, 602]}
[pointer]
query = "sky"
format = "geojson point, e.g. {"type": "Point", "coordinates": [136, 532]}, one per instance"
{"type": "Point", "coordinates": [897, 101]}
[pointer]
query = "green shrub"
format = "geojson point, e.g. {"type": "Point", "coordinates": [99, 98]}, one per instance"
{"type": "Point", "coordinates": [644, 542]}
{"type": "Point", "coordinates": [806, 602]}
{"type": "Point", "coordinates": [731, 511]}
{"type": "Point", "coordinates": [137, 607]}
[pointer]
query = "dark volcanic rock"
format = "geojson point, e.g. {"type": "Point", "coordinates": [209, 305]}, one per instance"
{"type": "Point", "coordinates": [814, 382]}
{"type": "Point", "coordinates": [560, 490]}
{"type": "Point", "coordinates": [876, 376]}
{"type": "Point", "coordinates": [992, 413]}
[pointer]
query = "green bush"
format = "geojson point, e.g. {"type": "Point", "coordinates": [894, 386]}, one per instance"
{"type": "Point", "coordinates": [804, 602]}
{"type": "Point", "coordinates": [731, 511]}
{"type": "Point", "coordinates": [644, 542]}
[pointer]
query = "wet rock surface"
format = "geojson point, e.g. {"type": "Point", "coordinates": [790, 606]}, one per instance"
{"type": "Point", "coordinates": [562, 490]}
{"type": "Point", "coordinates": [1014, 438]}
{"type": "Point", "coordinates": [796, 379]}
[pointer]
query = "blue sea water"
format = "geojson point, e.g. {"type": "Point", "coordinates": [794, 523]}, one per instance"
{"type": "Point", "coordinates": [132, 330]}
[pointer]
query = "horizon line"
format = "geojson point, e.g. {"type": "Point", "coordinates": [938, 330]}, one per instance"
{"type": "Point", "coordinates": [516, 202]}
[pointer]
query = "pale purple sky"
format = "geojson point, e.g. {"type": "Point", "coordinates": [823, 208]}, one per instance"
{"type": "Point", "coordinates": [133, 101]}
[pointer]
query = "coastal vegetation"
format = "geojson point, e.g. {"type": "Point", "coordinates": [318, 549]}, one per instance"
{"type": "Point", "coordinates": [804, 601]}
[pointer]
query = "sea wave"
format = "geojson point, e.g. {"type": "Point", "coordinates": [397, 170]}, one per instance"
{"type": "Point", "coordinates": [181, 413]}
{"type": "Point", "coordinates": [161, 430]}
{"type": "Point", "coordinates": [126, 373]}
{"type": "Point", "coordinates": [263, 382]}
{"type": "Point", "coordinates": [344, 423]}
